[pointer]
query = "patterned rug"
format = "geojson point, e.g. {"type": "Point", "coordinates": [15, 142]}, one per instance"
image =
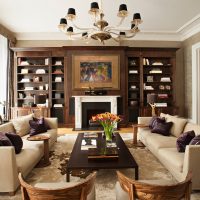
{"type": "Point", "coordinates": [149, 168]}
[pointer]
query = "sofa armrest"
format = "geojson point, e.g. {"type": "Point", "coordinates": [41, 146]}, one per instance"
{"type": "Point", "coordinates": [144, 120]}
{"type": "Point", "coordinates": [191, 163]}
{"type": "Point", "coordinates": [52, 122]}
{"type": "Point", "coordinates": [8, 170]}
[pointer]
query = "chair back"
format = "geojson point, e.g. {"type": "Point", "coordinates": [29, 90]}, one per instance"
{"type": "Point", "coordinates": [146, 191]}
{"type": "Point", "coordinates": [76, 192]}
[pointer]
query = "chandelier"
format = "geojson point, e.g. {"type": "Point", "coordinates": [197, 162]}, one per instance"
{"type": "Point", "coordinates": [100, 30]}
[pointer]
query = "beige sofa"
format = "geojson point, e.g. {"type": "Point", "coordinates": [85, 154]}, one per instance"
{"type": "Point", "coordinates": [164, 148]}
{"type": "Point", "coordinates": [11, 164]}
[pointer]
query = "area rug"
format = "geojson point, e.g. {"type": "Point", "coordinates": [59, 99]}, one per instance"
{"type": "Point", "coordinates": [149, 168]}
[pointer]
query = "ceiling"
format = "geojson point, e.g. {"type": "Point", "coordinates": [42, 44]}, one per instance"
{"type": "Point", "coordinates": [162, 19]}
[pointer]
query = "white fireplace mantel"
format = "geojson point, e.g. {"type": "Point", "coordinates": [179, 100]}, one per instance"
{"type": "Point", "coordinates": [80, 99]}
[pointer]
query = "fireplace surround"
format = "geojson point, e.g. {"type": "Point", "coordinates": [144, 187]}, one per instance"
{"type": "Point", "coordinates": [110, 106]}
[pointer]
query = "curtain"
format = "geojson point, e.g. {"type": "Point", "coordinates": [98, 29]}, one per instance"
{"type": "Point", "coordinates": [3, 75]}
{"type": "Point", "coordinates": [10, 81]}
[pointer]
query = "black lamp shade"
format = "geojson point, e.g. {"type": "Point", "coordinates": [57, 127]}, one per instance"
{"type": "Point", "coordinates": [84, 34]}
{"type": "Point", "coordinates": [63, 21]}
{"type": "Point", "coordinates": [94, 5]}
{"type": "Point", "coordinates": [70, 29]}
{"type": "Point", "coordinates": [121, 33]}
{"type": "Point", "coordinates": [40, 99]}
{"type": "Point", "coordinates": [71, 11]}
{"type": "Point", "coordinates": [136, 16]}
{"type": "Point", "coordinates": [122, 7]}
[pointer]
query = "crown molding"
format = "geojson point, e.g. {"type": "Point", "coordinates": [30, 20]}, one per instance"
{"type": "Point", "coordinates": [187, 30]}
{"type": "Point", "coordinates": [190, 28]}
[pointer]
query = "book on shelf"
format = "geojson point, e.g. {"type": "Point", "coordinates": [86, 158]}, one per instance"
{"type": "Point", "coordinates": [146, 61]}
{"type": "Point", "coordinates": [157, 63]}
{"type": "Point", "coordinates": [90, 134]}
{"type": "Point", "coordinates": [46, 61]}
{"type": "Point", "coordinates": [133, 71]}
{"type": "Point", "coordinates": [103, 153]}
{"type": "Point", "coordinates": [88, 143]}
{"type": "Point", "coordinates": [57, 105]}
{"type": "Point", "coordinates": [163, 96]}
{"type": "Point", "coordinates": [155, 71]}
{"type": "Point", "coordinates": [165, 79]}
{"type": "Point", "coordinates": [161, 104]}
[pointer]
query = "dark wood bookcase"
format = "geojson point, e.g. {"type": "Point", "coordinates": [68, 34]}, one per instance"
{"type": "Point", "coordinates": [142, 71]}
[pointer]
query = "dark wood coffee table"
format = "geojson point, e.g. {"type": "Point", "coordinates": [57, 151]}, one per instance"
{"type": "Point", "coordinates": [79, 158]}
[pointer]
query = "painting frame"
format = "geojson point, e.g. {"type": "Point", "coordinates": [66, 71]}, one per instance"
{"type": "Point", "coordinates": [110, 62]}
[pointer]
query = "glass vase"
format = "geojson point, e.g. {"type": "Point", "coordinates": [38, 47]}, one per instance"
{"type": "Point", "coordinates": [108, 131]}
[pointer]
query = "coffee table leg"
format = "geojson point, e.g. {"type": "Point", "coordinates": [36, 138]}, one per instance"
{"type": "Point", "coordinates": [135, 130]}
{"type": "Point", "coordinates": [136, 173]}
{"type": "Point", "coordinates": [68, 175]}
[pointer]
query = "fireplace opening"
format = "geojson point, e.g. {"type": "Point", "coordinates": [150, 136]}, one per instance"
{"type": "Point", "coordinates": [90, 109]}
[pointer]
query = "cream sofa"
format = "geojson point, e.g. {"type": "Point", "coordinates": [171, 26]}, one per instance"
{"type": "Point", "coordinates": [164, 148]}
{"type": "Point", "coordinates": [11, 164]}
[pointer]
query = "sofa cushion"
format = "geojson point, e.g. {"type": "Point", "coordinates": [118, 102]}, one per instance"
{"type": "Point", "coordinates": [21, 124]}
{"type": "Point", "coordinates": [162, 128]}
{"type": "Point", "coordinates": [155, 120]}
{"type": "Point", "coordinates": [37, 126]}
{"type": "Point", "coordinates": [178, 124]}
{"type": "Point", "coordinates": [156, 141]}
{"type": "Point", "coordinates": [195, 140]}
{"type": "Point", "coordinates": [43, 121]}
{"type": "Point", "coordinates": [171, 158]}
{"type": "Point", "coordinates": [16, 141]}
{"type": "Point", "coordinates": [183, 140]}
{"type": "Point", "coordinates": [4, 140]}
{"type": "Point", "coordinates": [191, 126]}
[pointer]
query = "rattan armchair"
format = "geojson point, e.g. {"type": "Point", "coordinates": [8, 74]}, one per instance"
{"type": "Point", "coordinates": [77, 191]}
{"type": "Point", "coordinates": [149, 191]}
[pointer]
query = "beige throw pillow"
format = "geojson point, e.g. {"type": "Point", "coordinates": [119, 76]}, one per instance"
{"type": "Point", "coordinates": [178, 124]}
{"type": "Point", "coordinates": [21, 124]}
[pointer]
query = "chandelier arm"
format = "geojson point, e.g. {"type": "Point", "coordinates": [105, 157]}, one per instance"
{"type": "Point", "coordinates": [83, 29]}
{"type": "Point", "coordinates": [108, 28]}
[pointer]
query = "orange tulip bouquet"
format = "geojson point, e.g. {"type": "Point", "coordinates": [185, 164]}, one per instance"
{"type": "Point", "coordinates": [108, 121]}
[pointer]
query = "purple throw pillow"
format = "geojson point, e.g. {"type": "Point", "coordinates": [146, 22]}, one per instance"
{"type": "Point", "coordinates": [195, 140]}
{"type": "Point", "coordinates": [183, 140]}
{"type": "Point", "coordinates": [45, 123]}
{"type": "Point", "coordinates": [155, 120]}
{"type": "Point", "coordinates": [162, 128]}
{"type": "Point", "coordinates": [4, 140]}
{"type": "Point", "coordinates": [16, 140]}
{"type": "Point", "coordinates": [37, 127]}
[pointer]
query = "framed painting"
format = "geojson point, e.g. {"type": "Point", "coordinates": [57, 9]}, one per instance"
{"type": "Point", "coordinates": [95, 71]}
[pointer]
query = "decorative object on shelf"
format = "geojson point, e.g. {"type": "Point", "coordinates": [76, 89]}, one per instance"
{"type": "Point", "coordinates": [25, 80]}
{"type": "Point", "coordinates": [133, 87]}
{"type": "Point", "coordinates": [40, 100]}
{"type": "Point", "coordinates": [108, 121]}
{"type": "Point", "coordinates": [151, 99]}
{"type": "Point", "coordinates": [46, 86]}
{"type": "Point", "coordinates": [148, 87]}
{"type": "Point", "coordinates": [21, 95]}
{"type": "Point", "coordinates": [41, 87]}
{"type": "Point", "coordinates": [24, 71]}
{"type": "Point", "coordinates": [28, 88]}
{"type": "Point", "coordinates": [46, 61]}
{"type": "Point", "coordinates": [167, 87]}
{"type": "Point", "coordinates": [161, 104]}
{"type": "Point", "coordinates": [58, 71]}
{"type": "Point", "coordinates": [96, 71]}
{"type": "Point", "coordinates": [37, 79]}
{"type": "Point", "coordinates": [24, 63]}
{"type": "Point", "coordinates": [132, 63]}
{"type": "Point", "coordinates": [149, 78]}
{"type": "Point", "coordinates": [161, 87]}
{"type": "Point", "coordinates": [29, 96]}
{"type": "Point", "coordinates": [40, 71]}
{"type": "Point", "coordinates": [57, 95]}
{"type": "Point", "coordinates": [58, 62]}
{"type": "Point", "coordinates": [58, 79]}
{"type": "Point", "coordinates": [133, 103]}
{"type": "Point", "coordinates": [100, 30]}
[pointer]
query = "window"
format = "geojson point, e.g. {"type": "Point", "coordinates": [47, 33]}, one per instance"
{"type": "Point", "coordinates": [3, 70]}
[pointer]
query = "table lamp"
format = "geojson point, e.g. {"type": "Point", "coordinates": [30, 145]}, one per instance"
{"type": "Point", "coordinates": [151, 99]}
{"type": "Point", "coordinates": [40, 100]}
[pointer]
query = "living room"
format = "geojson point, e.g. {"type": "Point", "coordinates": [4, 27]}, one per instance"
{"type": "Point", "coordinates": [64, 63]}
